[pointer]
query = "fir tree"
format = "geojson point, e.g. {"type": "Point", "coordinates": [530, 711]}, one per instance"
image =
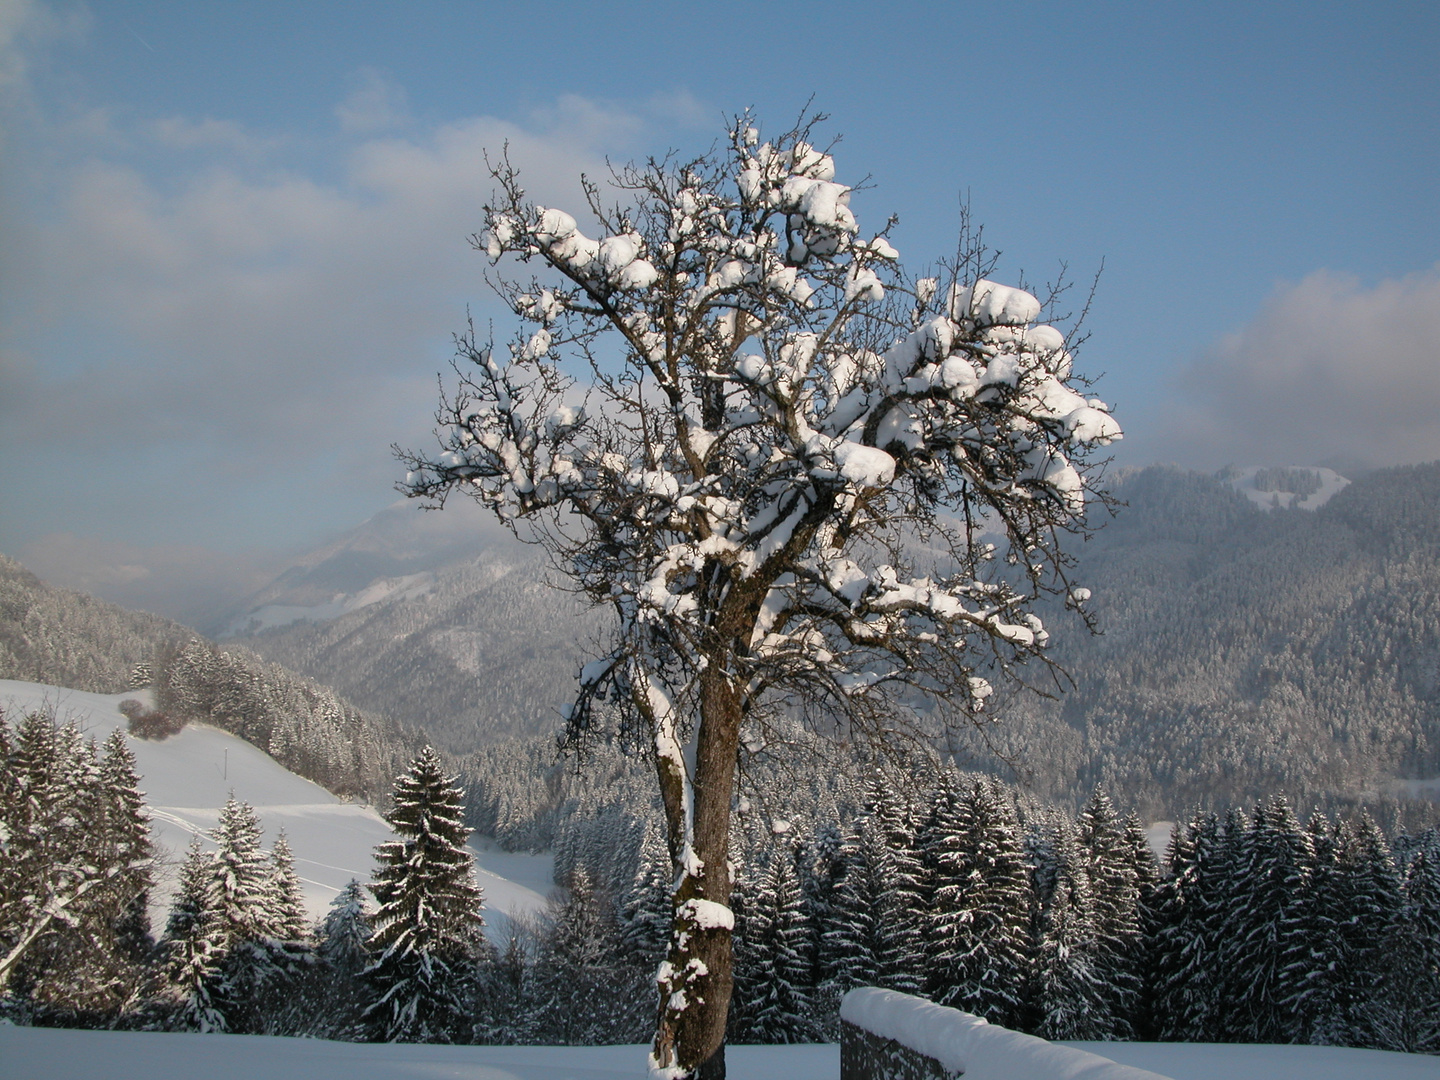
{"type": "Point", "coordinates": [772, 961]}
{"type": "Point", "coordinates": [428, 936]}
{"type": "Point", "coordinates": [243, 906]}
{"type": "Point", "coordinates": [341, 949]}
{"type": "Point", "coordinates": [1270, 927]}
{"type": "Point", "coordinates": [1408, 1018]}
{"type": "Point", "coordinates": [287, 916]}
{"type": "Point", "coordinates": [1371, 899]}
{"type": "Point", "coordinates": [977, 951]}
{"type": "Point", "coordinates": [194, 948]}
{"type": "Point", "coordinates": [1068, 995]}
{"type": "Point", "coordinates": [646, 913]}
{"type": "Point", "coordinates": [1171, 981]}
{"type": "Point", "coordinates": [1115, 892]}
{"type": "Point", "coordinates": [582, 992]}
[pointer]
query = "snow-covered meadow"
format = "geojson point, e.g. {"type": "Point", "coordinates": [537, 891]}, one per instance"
{"type": "Point", "coordinates": [187, 778]}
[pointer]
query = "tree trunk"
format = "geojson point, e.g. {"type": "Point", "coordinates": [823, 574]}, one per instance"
{"type": "Point", "coordinates": [695, 982]}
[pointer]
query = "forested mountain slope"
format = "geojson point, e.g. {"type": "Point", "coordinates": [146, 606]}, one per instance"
{"type": "Point", "coordinates": [486, 651]}
{"type": "Point", "coordinates": [1245, 650]}
{"type": "Point", "coordinates": [66, 638]}
{"type": "Point", "coordinates": [54, 635]}
{"type": "Point", "coordinates": [1248, 651]}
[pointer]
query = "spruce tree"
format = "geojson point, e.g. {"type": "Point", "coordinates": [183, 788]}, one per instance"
{"type": "Point", "coordinates": [194, 948]}
{"type": "Point", "coordinates": [1410, 1017]}
{"type": "Point", "coordinates": [645, 919]}
{"type": "Point", "coordinates": [583, 992]}
{"type": "Point", "coordinates": [977, 951]}
{"type": "Point", "coordinates": [1270, 937]}
{"type": "Point", "coordinates": [772, 963]}
{"type": "Point", "coordinates": [866, 918]}
{"type": "Point", "coordinates": [1115, 893]}
{"type": "Point", "coordinates": [127, 847]}
{"type": "Point", "coordinates": [1068, 994]}
{"type": "Point", "coordinates": [1171, 981]}
{"type": "Point", "coordinates": [1371, 896]}
{"type": "Point", "coordinates": [428, 938]}
{"type": "Point", "coordinates": [341, 950]}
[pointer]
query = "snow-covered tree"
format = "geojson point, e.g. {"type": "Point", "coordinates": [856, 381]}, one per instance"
{"type": "Point", "coordinates": [193, 947]}
{"type": "Point", "coordinates": [977, 940]}
{"type": "Point", "coordinates": [428, 935]}
{"type": "Point", "coordinates": [772, 961]}
{"type": "Point", "coordinates": [875, 917]}
{"type": "Point", "coordinates": [771, 411]}
{"type": "Point", "coordinates": [1115, 891]}
{"type": "Point", "coordinates": [645, 917]}
{"type": "Point", "coordinates": [583, 990]}
{"type": "Point", "coordinates": [1069, 994]}
{"type": "Point", "coordinates": [74, 869]}
{"type": "Point", "coordinates": [341, 949]}
{"type": "Point", "coordinates": [1269, 923]}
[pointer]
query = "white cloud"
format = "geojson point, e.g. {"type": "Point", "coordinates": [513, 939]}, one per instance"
{"type": "Point", "coordinates": [1330, 370]}
{"type": "Point", "coordinates": [184, 582]}
{"type": "Point", "coordinates": [181, 133]}
{"type": "Point", "coordinates": [25, 27]}
{"type": "Point", "coordinates": [374, 105]}
{"type": "Point", "coordinates": [188, 348]}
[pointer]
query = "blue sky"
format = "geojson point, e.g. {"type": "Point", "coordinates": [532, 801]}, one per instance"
{"type": "Point", "coordinates": [232, 246]}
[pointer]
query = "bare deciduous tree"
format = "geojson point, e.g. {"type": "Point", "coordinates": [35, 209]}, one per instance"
{"type": "Point", "coordinates": [808, 485]}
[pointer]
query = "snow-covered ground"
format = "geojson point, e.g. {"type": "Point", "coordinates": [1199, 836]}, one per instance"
{"type": "Point", "coordinates": [30, 1053]}
{"type": "Point", "coordinates": [187, 778]}
{"type": "Point", "coordinates": [1232, 1061]}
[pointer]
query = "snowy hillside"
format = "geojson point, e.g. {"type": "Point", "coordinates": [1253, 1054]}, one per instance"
{"type": "Point", "coordinates": [26, 1053]}
{"type": "Point", "coordinates": [188, 777]}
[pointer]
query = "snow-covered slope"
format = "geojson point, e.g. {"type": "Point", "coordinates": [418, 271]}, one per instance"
{"type": "Point", "coordinates": [188, 777]}
{"type": "Point", "coordinates": [393, 555]}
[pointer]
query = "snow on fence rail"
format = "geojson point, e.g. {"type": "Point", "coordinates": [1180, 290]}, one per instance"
{"type": "Point", "coordinates": [886, 1035]}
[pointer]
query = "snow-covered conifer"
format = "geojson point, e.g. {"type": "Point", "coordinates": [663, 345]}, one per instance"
{"type": "Point", "coordinates": [1270, 926]}
{"type": "Point", "coordinates": [772, 962]}
{"type": "Point", "coordinates": [583, 991]}
{"type": "Point", "coordinates": [428, 936]}
{"type": "Point", "coordinates": [1115, 893]}
{"type": "Point", "coordinates": [1068, 992]}
{"type": "Point", "coordinates": [194, 947]}
{"type": "Point", "coordinates": [341, 949]}
{"type": "Point", "coordinates": [646, 914]}
{"type": "Point", "coordinates": [288, 920]}
{"type": "Point", "coordinates": [976, 942]}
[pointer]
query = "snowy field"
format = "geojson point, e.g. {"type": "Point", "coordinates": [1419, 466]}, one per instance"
{"type": "Point", "coordinates": [187, 778]}
{"type": "Point", "coordinates": [44, 1054]}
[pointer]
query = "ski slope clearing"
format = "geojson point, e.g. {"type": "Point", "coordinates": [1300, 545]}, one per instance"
{"type": "Point", "coordinates": [187, 778]}
{"type": "Point", "coordinates": [28, 1053]}
{"type": "Point", "coordinates": [1251, 482]}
